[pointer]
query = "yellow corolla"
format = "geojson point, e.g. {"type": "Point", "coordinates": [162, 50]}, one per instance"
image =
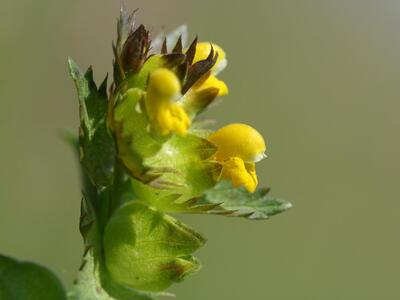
{"type": "Point", "coordinates": [165, 115]}
{"type": "Point", "coordinates": [240, 173]}
{"type": "Point", "coordinates": [239, 140]}
{"type": "Point", "coordinates": [203, 49]}
{"type": "Point", "coordinates": [239, 147]}
{"type": "Point", "coordinates": [213, 81]}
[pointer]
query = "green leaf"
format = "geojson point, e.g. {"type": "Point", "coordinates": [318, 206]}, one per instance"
{"type": "Point", "coordinates": [149, 250]}
{"type": "Point", "coordinates": [28, 281]}
{"type": "Point", "coordinates": [96, 144]}
{"type": "Point", "coordinates": [237, 202]}
{"type": "Point", "coordinates": [6, 262]}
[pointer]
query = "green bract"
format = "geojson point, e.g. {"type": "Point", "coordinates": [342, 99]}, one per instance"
{"type": "Point", "coordinates": [147, 249]}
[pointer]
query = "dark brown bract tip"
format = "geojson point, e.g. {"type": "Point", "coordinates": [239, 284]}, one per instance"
{"type": "Point", "coordinates": [164, 48]}
{"type": "Point", "coordinates": [135, 50]}
{"type": "Point", "coordinates": [178, 46]}
{"type": "Point", "coordinates": [191, 52]}
{"type": "Point", "coordinates": [198, 69]}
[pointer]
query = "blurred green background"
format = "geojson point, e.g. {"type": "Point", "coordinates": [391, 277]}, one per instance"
{"type": "Point", "coordinates": [320, 79]}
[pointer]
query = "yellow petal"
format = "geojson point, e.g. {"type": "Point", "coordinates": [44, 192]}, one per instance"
{"type": "Point", "coordinates": [238, 140]}
{"type": "Point", "coordinates": [234, 169]}
{"type": "Point", "coordinates": [163, 83]}
{"type": "Point", "coordinates": [213, 81]}
{"type": "Point", "coordinates": [165, 115]}
{"type": "Point", "coordinates": [251, 169]}
{"type": "Point", "coordinates": [203, 50]}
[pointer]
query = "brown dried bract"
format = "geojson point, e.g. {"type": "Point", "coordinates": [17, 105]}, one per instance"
{"type": "Point", "coordinates": [135, 50]}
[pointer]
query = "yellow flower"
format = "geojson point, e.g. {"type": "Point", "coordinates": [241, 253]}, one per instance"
{"type": "Point", "coordinates": [239, 140]}
{"type": "Point", "coordinates": [165, 115]}
{"type": "Point", "coordinates": [203, 49]}
{"type": "Point", "coordinates": [240, 173]}
{"type": "Point", "coordinates": [239, 146]}
{"type": "Point", "coordinates": [213, 82]}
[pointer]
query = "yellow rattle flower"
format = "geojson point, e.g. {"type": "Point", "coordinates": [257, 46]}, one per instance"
{"type": "Point", "coordinates": [239, 147]}
{"type": "Point", "coordinates": [203, 49]}
{"type": "Point", "coordinates": [165, 115]}
{"type": "Point", "coordinates": [213, 81]}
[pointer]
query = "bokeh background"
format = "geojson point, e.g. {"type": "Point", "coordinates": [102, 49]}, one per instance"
{"type": "Point", "coordinates": [320, 79]}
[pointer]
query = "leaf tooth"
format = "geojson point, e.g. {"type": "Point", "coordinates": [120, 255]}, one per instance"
{"type": "Point", "coordinates": [229, 213]}
{"type": "Point", "coordinates": [103, 88]}
{"type": "Point", "coordinates": [204, 207]}
{"type": "Point", "coordinates": [255, 216]}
